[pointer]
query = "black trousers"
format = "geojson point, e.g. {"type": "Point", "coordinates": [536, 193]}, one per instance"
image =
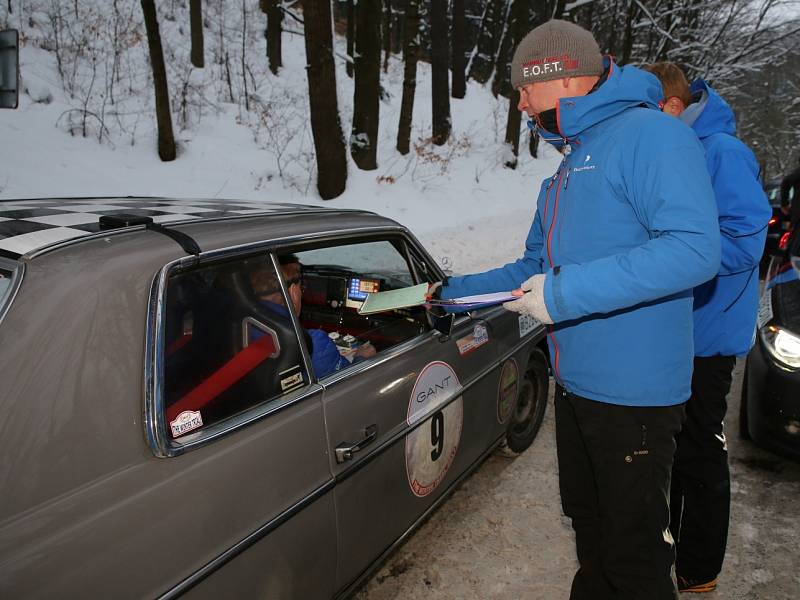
{"type": "Point", "coordinates": [701, 484]}
{"type": "Point", "coordinates": [614, 466]}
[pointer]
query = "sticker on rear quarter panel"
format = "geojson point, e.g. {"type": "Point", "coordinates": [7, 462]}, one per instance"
{"type": "Point", "coordinates": [508, 390]}
{"type": "Point", "coordinates": [433, 445]}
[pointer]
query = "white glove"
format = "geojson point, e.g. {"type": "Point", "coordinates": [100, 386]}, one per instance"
{"type": "Point", "coordinates": [532, 303]}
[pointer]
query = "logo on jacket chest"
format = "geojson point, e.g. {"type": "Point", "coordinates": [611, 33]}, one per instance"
{"type": "Point", "coordinates": [585, 165]}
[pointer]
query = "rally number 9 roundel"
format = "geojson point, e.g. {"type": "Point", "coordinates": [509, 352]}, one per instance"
{"type": "Point", "coordinates": [432, 446]}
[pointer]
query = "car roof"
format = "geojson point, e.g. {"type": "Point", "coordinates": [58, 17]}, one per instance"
{"type": "Point", "coordinates": [31, 226]}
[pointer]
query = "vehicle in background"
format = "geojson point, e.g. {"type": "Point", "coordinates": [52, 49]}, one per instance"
{"type": "Point", "coordinates": [779, 223]}
{"type": "Point", "coordinates": [770, 406]}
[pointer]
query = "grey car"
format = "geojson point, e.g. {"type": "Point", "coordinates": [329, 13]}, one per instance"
{"type": "Point", "coordinates": [163, 429]}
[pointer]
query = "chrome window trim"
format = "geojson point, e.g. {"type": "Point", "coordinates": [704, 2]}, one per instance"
{"type": "Point", "coordinates": [298, 328]}
{"type": "Point", "coordinates": [17, 269]}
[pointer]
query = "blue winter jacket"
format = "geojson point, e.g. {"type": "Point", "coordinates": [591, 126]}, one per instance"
{"type": "Point", "coordinates": [629, 223]}
{"type": "Point", "coordinates": [725, 308]}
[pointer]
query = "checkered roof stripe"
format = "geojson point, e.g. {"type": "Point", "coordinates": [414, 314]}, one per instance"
{"type": "Point", "coordinates": [27, 225]}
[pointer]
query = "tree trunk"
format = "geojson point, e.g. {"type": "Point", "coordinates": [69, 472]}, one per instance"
{"type": "Point", "coordinates": [272, 8]}
{"type": "Point", "coordinates": [501, 83]}
{"type": "Point", "coordinates": [196, 24]}
{"type": "Point", "coordinates": [410, 50]}
{"type": "Point", "coordinates": [325, 124]}
{"type": "Point", "coordinates": [364, 139]}
{"type": "Point", "coordinates": [488, 40]}
{"type": "Point", "coordinates": [351, 36]}
{"type": "Point", "coordinates": [459, 63]}
{"type": "Point", "coordinates": [166, 139]}
{"type": "Point", "coordinates": [518, 28]}
{"type": "Point", "coordinates": [440, 84]}
{"type": "Point", "coordinates": [627, 44]}
{"type": "Point", "coordinates": [387, 34]}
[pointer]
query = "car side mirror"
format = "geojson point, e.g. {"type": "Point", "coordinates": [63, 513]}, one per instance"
{"type": "Point", "coordinates": [444, 323]}
{"type": "Point", "coordinates": [9, 68]}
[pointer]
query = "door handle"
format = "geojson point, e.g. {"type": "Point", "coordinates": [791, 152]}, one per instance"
{"type": "Point", "coordinates": [345, 450]}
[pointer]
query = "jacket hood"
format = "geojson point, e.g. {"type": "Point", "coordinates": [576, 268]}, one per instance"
{"type": "Point", "coordinates": [715, 115]}
{"type": "Point", "coordinates": [624, 88]}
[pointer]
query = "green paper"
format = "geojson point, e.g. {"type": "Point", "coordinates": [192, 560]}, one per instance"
{"type": "Point", "coordinates": [403, 298]}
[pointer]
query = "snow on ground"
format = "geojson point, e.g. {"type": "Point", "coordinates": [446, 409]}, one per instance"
{"type": "Point", "coordinates": [465, 206]}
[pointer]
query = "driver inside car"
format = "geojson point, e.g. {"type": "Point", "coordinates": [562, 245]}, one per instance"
{"type": "Point", "coordinates": [325, 355]}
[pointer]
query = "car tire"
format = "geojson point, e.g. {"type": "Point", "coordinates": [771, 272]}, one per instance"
{"type": "Point", "coordinates": [744, 426]}
{"type": "Point", "coordinates": [528, 415]}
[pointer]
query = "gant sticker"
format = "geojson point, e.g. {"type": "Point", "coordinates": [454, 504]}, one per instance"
{"type": "Point", "coordinates": [526, 324]}
{"type": "Point", "coordinates": [186, 422]}
{"type": "Point", "coordinates": [478, 337]}
{"type": "Point", "coordinates": [508, 390]}
{"type": "Point", "coordinates": [431, 448]}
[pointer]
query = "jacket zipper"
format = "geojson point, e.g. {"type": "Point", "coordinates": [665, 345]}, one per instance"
{"type": "Point", "coordinates": [560, 175]}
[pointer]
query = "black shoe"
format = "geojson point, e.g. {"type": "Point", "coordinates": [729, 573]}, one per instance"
{"type": "Point", "coordinates": [696, 585]}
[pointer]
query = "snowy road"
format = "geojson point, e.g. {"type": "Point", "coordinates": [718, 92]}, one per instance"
{"type": "Point", "coordinates": [502, 535]}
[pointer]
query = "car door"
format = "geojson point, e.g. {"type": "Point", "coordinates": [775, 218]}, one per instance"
{"type": "Point", "coordinates": [405, 424]}
{"type": "Point", "coordinates": [235, 393]}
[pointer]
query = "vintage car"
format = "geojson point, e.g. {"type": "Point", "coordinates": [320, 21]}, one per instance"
{"type": "Point", "coordinates": [770, 407]}
{"type": "Point", "coordinates": [163, 432]}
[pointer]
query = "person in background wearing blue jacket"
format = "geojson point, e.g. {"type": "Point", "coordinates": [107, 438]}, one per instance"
{"type": "Point", "coordinates": [624, 230]}
{"type": "Point", "coordinates": [724, 327]}
{"type": "Point", "coordinates": [325, 356]}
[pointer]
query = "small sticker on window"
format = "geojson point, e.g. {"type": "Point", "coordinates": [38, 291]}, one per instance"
{"type": "Point", "coordinates": [291, 379]}
{"type": "Point", "coordinates": [186, 422]}
{"type": "Point", "coordinates": [526, 324]}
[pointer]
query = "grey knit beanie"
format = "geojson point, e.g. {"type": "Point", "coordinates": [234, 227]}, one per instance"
{"type": "Point", "coordinates": [555, 50]}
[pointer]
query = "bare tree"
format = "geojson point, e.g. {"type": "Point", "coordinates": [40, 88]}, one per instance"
{"type": "Point", "coordinates": [325, 124]}
{"type": "Point", "coordinates": [491, 30]}
{"type": "Point", "coordinates": [366, 106]}
{"type": "Point", "coordinates": [459, 63]}
{"type": "Point", "coordinates": [387, 33]}
{"type": "Point", "coordinates": [351, 36]}
{"type": "Point", "coordinates": [440, 84]}
{"type": "Point", "coordinates": [196, 25]}
{"type": "Point", "coordinates": [519, 27]}
{"type": "Point", "coordinates": [272, 8]}
{"type": "Point", "coordinates": [410, 50]}
{"type": "Point", "coordinates": [166, 139]}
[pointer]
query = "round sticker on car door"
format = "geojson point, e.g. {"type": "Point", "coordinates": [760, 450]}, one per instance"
{"type": "Point", "coordinates": [508, 390]}
{"type": "Point", "coordinates": [433, 445]}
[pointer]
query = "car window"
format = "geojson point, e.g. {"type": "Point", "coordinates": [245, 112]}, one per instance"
{"type": "Point", "coordinates": [226, 348]}
{"type": "Point", "coordinates": [335, 281]}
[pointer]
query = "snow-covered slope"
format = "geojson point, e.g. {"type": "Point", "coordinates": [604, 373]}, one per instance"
{"type": "Point", "coordinates": [459, 198]}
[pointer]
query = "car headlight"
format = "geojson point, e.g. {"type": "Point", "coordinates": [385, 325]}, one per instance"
{"type": "Point", "coordinates": [783, 345]}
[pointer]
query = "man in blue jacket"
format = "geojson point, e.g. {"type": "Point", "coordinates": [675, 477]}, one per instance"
{"type": "Point", "coordinates": [624, 230]}
{"type": "Point", "coordinates": [724, 327]}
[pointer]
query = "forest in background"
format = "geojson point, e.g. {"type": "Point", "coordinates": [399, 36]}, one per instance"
{"type": "Point", "coordinates": [192, 56]}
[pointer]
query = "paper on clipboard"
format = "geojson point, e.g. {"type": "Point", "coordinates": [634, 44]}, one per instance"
{"type": "Point", "coordinates": [417, 296]}
{"type": "Point", "coordinates": [403, 298]}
